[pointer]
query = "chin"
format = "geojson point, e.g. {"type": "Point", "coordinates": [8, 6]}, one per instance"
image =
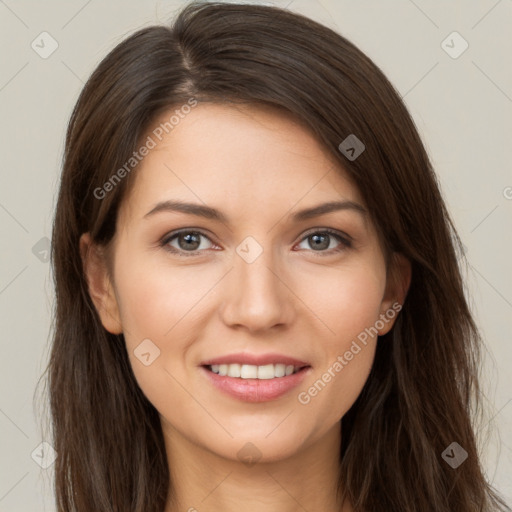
{"type": "Point", "coordinates": [262, 446]}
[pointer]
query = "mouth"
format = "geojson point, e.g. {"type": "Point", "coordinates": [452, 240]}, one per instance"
{"type": "Point", "coordinates": [251, 383]}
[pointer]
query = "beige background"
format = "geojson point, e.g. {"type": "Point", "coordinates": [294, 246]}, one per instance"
{"type": "Point", "coordinates": [462, 106]}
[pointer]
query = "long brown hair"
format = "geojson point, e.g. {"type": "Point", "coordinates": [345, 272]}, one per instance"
{"type": "Point", "coordinates": [424, 386]}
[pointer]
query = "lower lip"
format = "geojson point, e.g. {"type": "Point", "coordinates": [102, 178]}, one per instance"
{"type": "Point", "coordinates": [256, 390]}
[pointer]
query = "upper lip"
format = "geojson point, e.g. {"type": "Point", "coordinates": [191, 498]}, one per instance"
{"type": "Point", "coordinates": [255, 359]}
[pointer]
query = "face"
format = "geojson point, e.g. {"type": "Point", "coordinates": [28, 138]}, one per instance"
{"type": "Point", "coordinates": [252, 282]}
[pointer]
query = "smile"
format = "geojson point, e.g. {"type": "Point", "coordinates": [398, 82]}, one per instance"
{"type": "Point", "coordinates": [249, 371]}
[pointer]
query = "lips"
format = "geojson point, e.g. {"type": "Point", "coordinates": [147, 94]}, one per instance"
{"type": "Point", "coordinates": [261, 385]}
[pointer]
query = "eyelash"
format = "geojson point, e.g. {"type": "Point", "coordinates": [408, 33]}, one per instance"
{"type": "Point", "coordinates": [345, 242]}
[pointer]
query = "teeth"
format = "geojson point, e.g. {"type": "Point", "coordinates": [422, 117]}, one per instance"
{"type": "Point", "coordinates": [279, 370]}
{"type": "Point", "coordinates": [266, 372]}
{"type": "Point", "coordinates": [234, 370]}
{"type": "Point", "coordinates": [249, 371]}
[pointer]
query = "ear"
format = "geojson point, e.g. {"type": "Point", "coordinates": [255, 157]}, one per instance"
{"type": "Point", "coordinates": [100, 287]}
{"type": "Point", "coordinates": [397, 285]}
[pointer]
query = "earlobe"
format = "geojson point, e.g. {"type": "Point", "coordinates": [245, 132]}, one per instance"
{"type": "Point", "coordinates": [99, 284]}
{"type": "Point", "coordinates": [397, 286]}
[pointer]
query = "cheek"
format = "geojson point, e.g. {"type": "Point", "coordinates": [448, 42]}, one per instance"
{"type": "Point", "coordinates": [347, 301]}
{"type": "Point", "coordinates": [155, 302]}
{"type": "Point", "coordinates": [157, 309]}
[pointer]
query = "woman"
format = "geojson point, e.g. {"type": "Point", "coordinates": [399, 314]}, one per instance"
{"type": "Point", "coordinates": [258, 298]}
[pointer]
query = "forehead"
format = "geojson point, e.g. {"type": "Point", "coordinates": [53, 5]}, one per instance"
{"type": "Point", "coordinates": [236, 156]}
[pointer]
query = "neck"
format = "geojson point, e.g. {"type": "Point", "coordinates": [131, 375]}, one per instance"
{"type": "Point", "coordinates": [202, 481]}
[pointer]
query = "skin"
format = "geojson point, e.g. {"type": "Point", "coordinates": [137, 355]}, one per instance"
{"type": "Point", "coordinates": [258, 166]}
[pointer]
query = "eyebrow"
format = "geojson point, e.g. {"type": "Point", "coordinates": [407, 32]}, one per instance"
{"type": "Point", "coordinates": [213, 214]}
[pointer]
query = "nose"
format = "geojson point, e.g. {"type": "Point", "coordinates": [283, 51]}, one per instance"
{"type": "Point", "coordinates": [257, 296]}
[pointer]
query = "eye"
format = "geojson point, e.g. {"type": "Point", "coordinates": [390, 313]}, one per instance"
{"type": "Point", "coordinates": [188, 241]}
{"type": "Point", "coordinates": [320, 240]}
